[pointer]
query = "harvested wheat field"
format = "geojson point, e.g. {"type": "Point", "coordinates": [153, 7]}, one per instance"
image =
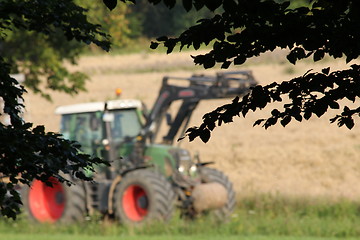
{"type": "Point", "coordinates": [309, 159]}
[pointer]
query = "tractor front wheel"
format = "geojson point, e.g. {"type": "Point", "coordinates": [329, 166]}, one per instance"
{"type": "Point", "coordinates": [143, 195]}
{"type": "Point", "coordinates": [59, 203]}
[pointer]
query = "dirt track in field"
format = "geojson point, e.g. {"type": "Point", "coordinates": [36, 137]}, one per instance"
{"type": "Point", "coordinates": [311, 159]}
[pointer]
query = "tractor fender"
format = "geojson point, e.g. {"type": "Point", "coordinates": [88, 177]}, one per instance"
{"type": "Point", "coordinates": [113, 185]}
{"type": "Point", "coordinates": [207, 196]}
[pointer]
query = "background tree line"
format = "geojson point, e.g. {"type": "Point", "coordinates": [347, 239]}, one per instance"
{"type": "Point", "coordinates": [126, 24]}
{"type": "Point", "coordinates": [129, 22]}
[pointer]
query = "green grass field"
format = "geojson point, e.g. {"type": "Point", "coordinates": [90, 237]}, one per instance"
{"type": "Point", "coordinates": [166, 237]}
{"type": "Point", "coordinates": [258, 218]}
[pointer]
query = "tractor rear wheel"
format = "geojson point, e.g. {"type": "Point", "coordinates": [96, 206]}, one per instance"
{"type": "Point", "coordinates": [143, 195]}
{"type": "Point", "coordinates": [59, 203]}
{"type": "Point", "coordinates": [212, 175]}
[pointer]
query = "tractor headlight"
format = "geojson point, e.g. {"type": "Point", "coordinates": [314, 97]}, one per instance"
{"type": "Point", "coordinates": [185, 164]}
{"type": "Point", "coordinates": [193, 169]}
{"type": "Point", "coordinates": [181, 169]}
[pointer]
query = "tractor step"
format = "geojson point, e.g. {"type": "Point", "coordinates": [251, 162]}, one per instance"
{"type": "Point", "coordinates": [98, 195]}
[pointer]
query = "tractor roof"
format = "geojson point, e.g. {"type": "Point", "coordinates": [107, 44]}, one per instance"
{"type": "Point", "coordinates": [98, 106]}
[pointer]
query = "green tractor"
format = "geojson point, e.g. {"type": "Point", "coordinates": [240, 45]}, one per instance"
{"type": "Point", "coordinates": [146, 179]}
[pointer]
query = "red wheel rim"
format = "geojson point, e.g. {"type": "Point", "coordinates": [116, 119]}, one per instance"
{"type": "Point", "coordinates": [135, 203]}
{"type": "Point", "coordinates": [46, 203]}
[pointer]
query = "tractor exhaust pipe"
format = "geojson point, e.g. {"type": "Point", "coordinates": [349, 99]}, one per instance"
{"type": "Point", "coordinates": [209, 196]}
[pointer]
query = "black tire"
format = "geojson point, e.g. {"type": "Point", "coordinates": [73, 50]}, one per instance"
{"type": "Point", "coordinates": [213, 175]}
{"type": "Point", "coordinates": [58, 204]}
{"type": "Point", "coordinates": [143, 195]}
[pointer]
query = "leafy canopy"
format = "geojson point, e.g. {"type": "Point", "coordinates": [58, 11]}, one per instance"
{"type": "Point", "coordinates": [27, 152]}
{"type": "Point", "coordinates": [244, 29]}
{"type": "Point", "coordinates": [42, 63]}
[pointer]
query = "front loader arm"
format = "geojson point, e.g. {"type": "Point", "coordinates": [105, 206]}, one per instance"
{"type": "Point", "coordinates": [197, 88]}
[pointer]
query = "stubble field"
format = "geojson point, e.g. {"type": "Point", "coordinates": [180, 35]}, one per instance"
{"type": "Point", "coordinates": [312, 159]}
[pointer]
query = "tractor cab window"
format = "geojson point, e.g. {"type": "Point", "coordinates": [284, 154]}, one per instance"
{"type": "Point", "coordinates": [124, 123]}
{"type": "Point", "coordinates": [84, 128]}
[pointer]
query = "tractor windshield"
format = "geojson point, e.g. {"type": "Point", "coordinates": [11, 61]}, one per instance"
{"type": "Point", "coordinates": [85, 128]}
{"type": "Point", "coordinates": [88, 128]}
{"type": "Point", "coordinates": [124, 123]}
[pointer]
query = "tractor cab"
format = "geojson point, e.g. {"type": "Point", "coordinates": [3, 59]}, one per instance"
{"type": "Point", "coordinates": [112, 130]}
{"type": "Point", "coordinates": [97, 125]}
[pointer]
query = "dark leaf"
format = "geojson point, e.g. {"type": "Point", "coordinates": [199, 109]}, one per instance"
{"type": "Point", "coordinates": [39, 130]}
{"type": "Point", "coordinates": [236, 100]}
{"type": "Point", "coordinates": [154, 45]}
{"type": "Point", "coordinates": [334, 105]}
{"type": "Point", "coordinates": [318, 55]}
{"type": "Point", "coordinates": [239, 60]}
{"type": "Point", "coordinates": [291, 57]}
{"type": "Point", "coordinates": [199, 4]}
{"type": "Point", "coordinates": [298, 117]}
{"type": "Point", "coordinates": [226, 65]}
{"type": "Point", "coordinates": [162, 39]}
{"type": "Point", "coordinates": [349, 122]}
{"type": "Point", "coordinates": [258, 122]}
{"type": "Point", "coordinates": [196, 44]}
{"type": "Point", "coordinates": [275, 112]}
{"type": "Point", "coordinates": [209, 62]}
{"type": "Point", "coordinates": [199, 59]}
{"type": "Point", "coordinates": [181, 138]}
{"type": "Point", "coordinates": [285, 121]}
{"type": "Point", "coordinates": [213, 4]}
{"type": "Point", "coordinates": [110, 4]}
{"type": "Point", "coordinates": [326, 70]}
{"type": "Point", "coordinates": [346, 110]}
{"type": "Point", "coordinates": [341, 122]}
{"type": "Point", "coordinates": [187, 4]}
{"type": "Point", "coordinates": [270, 122]}
{"type": "Point", "coordinates": [244, 111]}
{"type": "Point", "coordinates": [205, 135]}
{"type": "Point", "coordinates": [303, 10]}
{"type": "Point", "coordinates": [351, 96]}
{"type": "Point", "coordinates": [285, 4]}
{"type": "Point", "coordinates": [296, 54]}
{"type": "Point", "coordinates": [307, 115]}
{"type": "Point", "coordinates": [193, 134]}
{"type": "Point", "coordinates": [229, 5]}
{"type": "Point", "coordinates": [189, 130]}
{"type": "Point", "coordinates": [320, 108]}
{"type": "Point", "coordinates": [332, 120]}
{"type": "Point", "coordinates": [170, 44]}
{"type": "Point", "coordinates": [170, 3]}
{"type": "Point", "coordinates": [211, 126]}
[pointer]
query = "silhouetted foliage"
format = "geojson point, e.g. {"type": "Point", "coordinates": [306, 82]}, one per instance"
{"type": "Point", "coordinates": [28, 153]}
{"type": "Point", "coordinates": [244, 29]}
